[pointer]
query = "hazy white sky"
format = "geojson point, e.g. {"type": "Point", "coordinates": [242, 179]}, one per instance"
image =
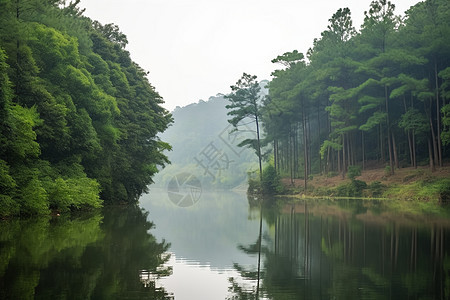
{"type": "Point", "coordinates": [195, 49]}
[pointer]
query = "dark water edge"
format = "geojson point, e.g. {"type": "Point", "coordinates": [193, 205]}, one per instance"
{"type": "Point", "coordinates": [309, 249]}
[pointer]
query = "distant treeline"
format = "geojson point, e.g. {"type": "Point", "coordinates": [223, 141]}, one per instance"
{"type": "Point", "coordinates": [375, 95]}
{"type": "Point", "coordinates": [78, 118]}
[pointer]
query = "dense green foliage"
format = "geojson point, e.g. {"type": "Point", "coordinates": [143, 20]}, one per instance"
{"type": "Point", "coordinates": [78, 118]}
{"type": "Point", "coordinates": [269, 185]}
{"type": "Point", "coordinates": [378, 95]}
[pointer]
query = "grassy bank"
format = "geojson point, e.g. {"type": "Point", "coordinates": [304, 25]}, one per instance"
{"type": "Point", "coordinates": [406, 184]}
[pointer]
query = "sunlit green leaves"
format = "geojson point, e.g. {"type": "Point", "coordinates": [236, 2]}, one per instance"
{"type": "Point", "coordinates": [23, 138]}
{"type": "Point", "coordinates": [75, 111]}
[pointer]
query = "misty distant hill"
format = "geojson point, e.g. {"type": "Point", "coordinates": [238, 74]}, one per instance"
{"type": "Point", "coordinates": [204, 145]}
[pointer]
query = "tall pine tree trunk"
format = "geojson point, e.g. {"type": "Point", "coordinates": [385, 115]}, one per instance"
{"type": "Point", "coordinates": [433, 140]}
{"type": "Point", "coordinates": [339, 161]}
{"type": "Point", "coordinates": [259, 145]}
{"type": "Point", "coordinates": [381, 150]}
{"type": "Point", "coordinates": [391, 159]}
{"type": "Point", "coordinates": [318, 125]}
{"type": "Point", "coordinates": [430, 155]}
{"type": "Point", "coordinates": [296, 151]}
{"type": "Point", "coordinates": [349, 155]}
{"type": "Point", "coordinates": [438, 114]}
{"type": "Point", "coordinates": [411, 158]}
{"type": "Point", "coordinates": [275, 156]}
{"type": "Point", "coordinates": [308, 139]}
{"type": "Point", "coordinates": [397, 164]}
{"type": "Point", "coordinates": [291, 157]}
{"type": "Point", "coordinates": [414, 149]}
{"type": "Point", "coordinates": [363, 151]}
{"type": "Point", "coordinates": [352, 150]}
{"type": "Point", "coordinates": [327, 166]}
{"type": "Point", "coordinates": [305, 150]}
{"type": "Point", "coordinates": [344, 162]}
{"type": "Point", "coordinates": [409, 132]}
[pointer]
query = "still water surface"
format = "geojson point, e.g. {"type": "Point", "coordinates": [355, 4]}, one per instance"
{"type": "Point", "coordinates": [313, 249]}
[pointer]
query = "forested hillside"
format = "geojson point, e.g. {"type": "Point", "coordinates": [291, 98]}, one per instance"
{"type": "Point", "coordinates": [204, 145]}
{"type": "Point", "coordinates": [376, 96]}
{"type": "Point", "coordinates": [79, 121]}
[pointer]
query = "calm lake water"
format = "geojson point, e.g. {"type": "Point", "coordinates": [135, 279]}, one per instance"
{"type": "Point", "coordinates": [313, 249]}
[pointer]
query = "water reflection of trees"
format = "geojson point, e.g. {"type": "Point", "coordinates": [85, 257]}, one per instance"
{"type": "Point", "coordinates": [352, 250]}
{"type": "Point", "coordinates": [95, 257]}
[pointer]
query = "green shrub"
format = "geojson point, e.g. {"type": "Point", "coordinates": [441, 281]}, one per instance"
{"type": "Point", "coordinates": [353, 189]}
{"type": "Point", "coordinates": [271, 183]}
{"type": "Point", "coordinates": [353, 171]}
{"type": "Point", "coordinates": [254, 186]}
{"type": "Point", "coordinates": [376, 189]}
{"type": "Point", "coordinates": [444, 190]}
{"type": "Point", "coordinates": [356, 188]}
{"type": "Point", "coordinates": [387, 171]}
{"type": "Point", "coordinates": [342, 190]}
{"type": "Point", "coordinates": [332, 174]}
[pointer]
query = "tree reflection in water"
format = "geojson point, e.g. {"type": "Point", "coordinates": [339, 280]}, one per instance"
{"type": "Point", "coordinates": [242, 290]}
{"type": "Point", "coordinates": [99, 256]}
{"type": "Point", "coordinates": [350, 249]}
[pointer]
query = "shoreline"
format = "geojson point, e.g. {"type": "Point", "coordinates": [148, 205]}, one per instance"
{"type": "Point", "coordinates": [407, 184]}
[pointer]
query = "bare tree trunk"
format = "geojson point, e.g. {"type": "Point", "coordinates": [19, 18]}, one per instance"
{"type": "Point", "coordinates": [349, 162]}
{"type": "Point", "coordinates": [433, 137]}
{"type": "Point", "coordinates": [352, 150]}
{"type": "Point", "coordinates": [409, 136]}
{"type": "Point", "coordinates": [414, 149]}
{"type": "Point", "coordinates": [438, 117]}
{"type": "Point", "coordinates": [293, 151]}
{"type": "Point", "coordinates": [363, 151]}
{"type": "Point", "coordinates": [381, 144]}
{"type": "Point", "coordinates": [275, 156]}
{"type": "Point", "coordinates": [397, 164]}
{"type": "Point", "coordinates": [259, 145]}
{"type": "Point", "coordinates": [430, 155]}
{"type": "Point", "coordinates": [411, 158]}
{"type": "Point", "coordinates": [344, 162]}
{"type": "Point", "coordinates": [318, 125]}
{"type": "Point", "coordinates": [291, 158]}
{"type": "Point", "coordinates": [391, 160]}
{"type": "Point", "coordinates": [308, 139]}
{"type": "Point", "coordinates": [327, 166]}
{"type": "Point", "coordinates": [305, 149]}
{"type": "Point", "coordinates": [339, 161]}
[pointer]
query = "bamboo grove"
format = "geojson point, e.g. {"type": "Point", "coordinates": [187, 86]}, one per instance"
{"type": "Point", "coordinates": [79, 121]}
{"type": "Point", "coordinates": [378, 96]}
